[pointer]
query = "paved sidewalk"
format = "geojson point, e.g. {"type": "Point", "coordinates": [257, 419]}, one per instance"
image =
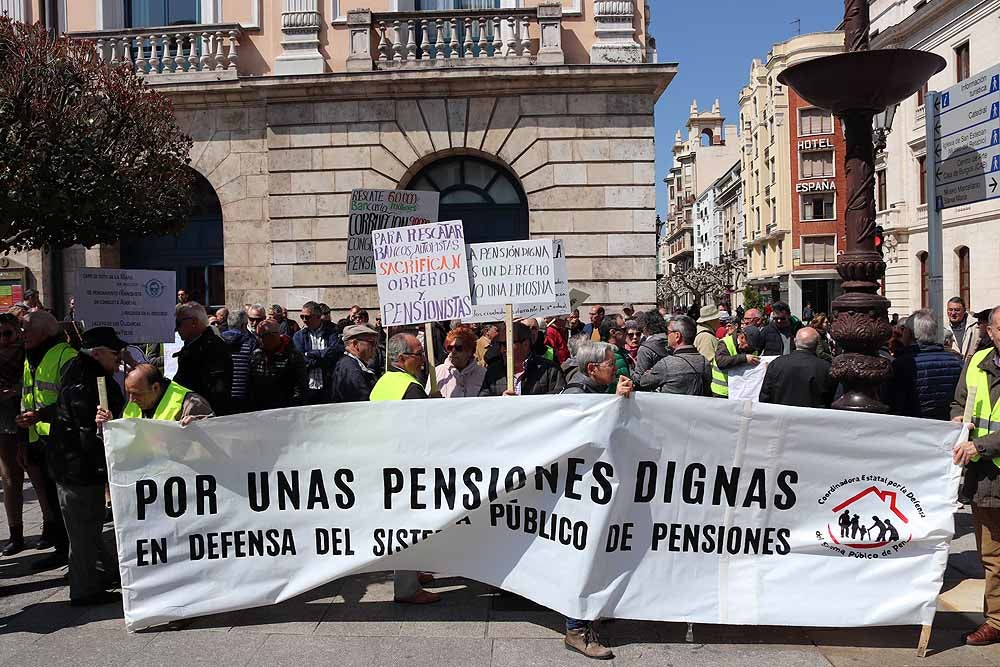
{"type": "Point", "coordinates": [354, 622]}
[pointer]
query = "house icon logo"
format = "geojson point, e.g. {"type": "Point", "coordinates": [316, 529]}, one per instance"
{"type": "Point", "coordinates": [869, 517]}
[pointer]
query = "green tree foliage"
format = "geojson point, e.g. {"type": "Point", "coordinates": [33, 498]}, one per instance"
{"type": "Point", "coordinates": [752, 298]}
{"type": "Point", "coordinates": [88, 152]}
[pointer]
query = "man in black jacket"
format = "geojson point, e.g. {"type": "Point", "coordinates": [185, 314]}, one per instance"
{"type": "Point", "coordinates": [533, 375]}
{"type": "Point", "coordinates": [353, 379]}
{"type": "Point", "coordinates": [778, 336]}
{"type": "Point", "coordinates": [76, 457]}
{"type": "Point", "coordinates": [204, 364]}
{"type": "Point", "coordinates": [800, 378]}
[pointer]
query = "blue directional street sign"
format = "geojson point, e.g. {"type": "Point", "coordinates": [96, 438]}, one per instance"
{"type": "Point", "coordinates": [966, 126]}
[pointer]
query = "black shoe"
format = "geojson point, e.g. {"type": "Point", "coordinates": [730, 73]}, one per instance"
{"type": "Point", "coordinates": [104, 597]}
{"type": "Point", "coordinates": [51, 562]}
{"type": "Point", "coordinates": [15, 546]}
{"type": "Point", "coordinates": [47, 540]}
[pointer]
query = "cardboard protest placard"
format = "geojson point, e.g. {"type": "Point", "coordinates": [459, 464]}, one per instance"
{"type": "Point", "coordinates": [559, 305]}
{"type": "Point", "coordinates": [512, 272]}
{"type": "Point", "coordinates": [383, 209]}
{"type": "Point", "coordinates": [138, 304]}
{"type": "Point", "coordinates": [422, 273]}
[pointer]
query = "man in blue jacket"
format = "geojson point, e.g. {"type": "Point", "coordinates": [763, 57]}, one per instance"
{"type": "Point", "coordinates": [925, 374]}
{"type": "Point", "coordinates": [320, 342]}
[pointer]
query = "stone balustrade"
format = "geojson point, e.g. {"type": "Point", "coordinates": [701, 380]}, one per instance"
{"type": "Point", "coordinates": [178, 52]}
{"type": "Point", "coordinates": [455, 38]}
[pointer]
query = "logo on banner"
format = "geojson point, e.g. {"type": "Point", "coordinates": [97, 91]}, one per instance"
{"type": "Point", "coordinates": [869, 517]}
{"type": "Point", "coordinates": [154, 288]}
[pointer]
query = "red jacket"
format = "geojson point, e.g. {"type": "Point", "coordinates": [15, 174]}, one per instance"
{"type": "Point", "coordinates": [557, 341]}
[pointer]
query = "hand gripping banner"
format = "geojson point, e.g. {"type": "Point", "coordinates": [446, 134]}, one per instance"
{"type": "Point", "coordinates": [657, 507]}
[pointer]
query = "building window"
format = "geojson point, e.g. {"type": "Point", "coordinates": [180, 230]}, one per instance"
{"type": "Point", "coordinates": [922, 93]}
{"type": "Point", "coordinates": [818, 207]}
{"type": "Point", "coordinates": [883, 197]}
{"type": "Point", "coordinates": [157, 13]}
{"type": "Point", "coordinates": [816, 164]}
{"type": "Point", "coordinates": [763, 258]}
{"type": "Point", "coordinates": [819, 250]}
{"type": "Point", "coordinates": [781, 253]}
{"type": "Point", "coordinates": [922, 164]}
{"type": "Point", "coordinates": [815, 121]}
{"type": "Point", "coordinates": [924, 289]}
{"type": "Point", "coordinates": [962, 62]}
{"type": "Point", "coordinates": [963, 274]}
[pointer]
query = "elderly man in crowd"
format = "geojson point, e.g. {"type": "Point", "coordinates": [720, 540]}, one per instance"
{"type": "Point", "coordinates": [277, 370]}
{"type": "Point", "coordinates": [320, 342]}
{"type": "Point", "coordinates": [406, 356]}
{"type": "Point", "coordinates": [981, 458]}
{"type": "Point", "coordinates": [705, 339]}
{"type": "Point", "coordinates": [76, 455]}
{"type": "Point", "coordinates": [570, 368]}
{"type": "Point", "coordinates": [963, 327]}
{"type": "Point", "coordinates": [685, 371]}
{"type": "Point", "coordinates": [286, 327]}
{"type": "Point", "coordinates": [490, 331]}
{"type": "Point", "coordinates": [533, 375]}
{"type": "Point", "coordinates": [593, 328]}
{"type": "Point", "coordinates": [598, 371]}
{"type": "Point", "coordinates": [924, 373]}
{"type": "Point", "coordinates": [241, 337]}
{"type": "Point", "coordinates": [152, 396]}
{"type": "Point", "coordinates": [732, 352]}
{"type": "Point", "coordinates": [353, 379]}
{"type": "Point", "coordinates": [800, 378]}
{"type": "Point", "coordinates": [204, 364]}
{"type": "Point", "coordinates": [459, 376]}
{"type": "Point", "coordinates": [778, 337]}
{"type": "Point", "coordinates": [46, 357]}
{"type": "Point", "coordinates": [655, 345]}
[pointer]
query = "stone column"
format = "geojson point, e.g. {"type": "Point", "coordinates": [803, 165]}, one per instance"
{"type": "Point", "coordinates": [550, 51]}
{"type": "Point", "coordinates": [359, 23]}
{"type": "Point", "coordinates": [300, 23]}
{"type": "Point", "coordinates": [615, 33]}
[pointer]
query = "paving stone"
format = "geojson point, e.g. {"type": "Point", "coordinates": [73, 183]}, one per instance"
{"type": "Point", "coordinates": [896, 647]}
{"type": "Point", "coordinates": [199, 647]}
{"type": "Point", "coordinates": [708, 655]}
{"type": "Point", "coordinates": [82, 646]}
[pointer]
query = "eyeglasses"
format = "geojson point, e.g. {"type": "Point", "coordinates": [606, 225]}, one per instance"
{"type": "Point", "coordinates": [309, 316]}
{"type": "Point", "coordinates": [266, 334]}
{"type": "Point", "coordinates": [256, 320]}
{"type": "Point", "coordinates": [633, 334]}
{"type": "Point", "coordinates": [412, 354]}
{"type": "Point", "coordinates": [182, 320]}
{"type": "Point", "coordinates": [454, 348]}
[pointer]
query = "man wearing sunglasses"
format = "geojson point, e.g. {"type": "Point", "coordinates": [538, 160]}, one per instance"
{"type": "Point", "coordinates": [533, 375]}
{"type": "Point", "coordinates": [320, 342]}
{"type": "Point", "coordinates": [204, 364]}
{"type": "Point", "coordinates": [779, 335]}
{"type": "Point", "coordinates": [353, 379]}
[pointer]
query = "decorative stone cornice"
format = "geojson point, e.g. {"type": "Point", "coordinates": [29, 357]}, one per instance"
{"type": "Point", "coordinates": [615, 33]}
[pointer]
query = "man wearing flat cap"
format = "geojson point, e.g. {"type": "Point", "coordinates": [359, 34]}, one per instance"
{"type": "Point", "coordinates": [75, 455]}
{"type": "Point", "coordinates": [353, 379]}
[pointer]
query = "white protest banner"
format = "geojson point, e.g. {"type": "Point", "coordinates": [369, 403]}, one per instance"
{"type": "Point", "coordinates": [422, 273]}
{"type": "Point", "coordinates": [514, 272]}
{"type": "Point", "coordinates": [745, 381]}
{"type": "Point", "coordinates": [560, 305]}
{"type": "Point", "coordinates": [138, 304]}
{"type": "Point", "coordinates": [383, 209]}
{"type": "Point", "coordinates": [657, 507]}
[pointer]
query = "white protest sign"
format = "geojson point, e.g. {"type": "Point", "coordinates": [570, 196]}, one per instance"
{"type": "Point", "coordinates": [656, 507]}
{"type": "Point", "coordinates": [745, 381]}
{"type": "Point", "coordinates": [514, 272]}
{"type": "Point", "coordinates": [560, 305]}
{"type": "Point", "coordinates": [422, 273]}
{"type": "Point", "coordinates": [138, 304]}
{"type": "Point", "coordinates": [383, 209]}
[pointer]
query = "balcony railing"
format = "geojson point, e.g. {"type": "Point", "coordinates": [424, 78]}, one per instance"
{"type": "Point", "coordinates": [195, 51]}
{"type": "Point", "coordinates": [455, 38]}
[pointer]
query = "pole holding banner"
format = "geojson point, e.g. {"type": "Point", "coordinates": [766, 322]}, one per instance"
{"type": "Point", "coordinates": [429, 348]}
{"type": "Point", "coordinates": [935, 241]}
{"type": "Point", "coordinates": [509, 323]}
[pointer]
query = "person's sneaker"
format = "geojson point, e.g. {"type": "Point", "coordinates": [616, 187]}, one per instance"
{"type": "Point", "coordinates": [50, 562]}
{"type": "Point", "coordinates": [984, 635]}
{"type": "Point", "coordinates": [104, 597]}
{"type": "Point", "coordinates": [585, 641]}
{"type": "Point", "coordinates": [14, 546]}
{"type": "Point", "coordinates": [421, 597]}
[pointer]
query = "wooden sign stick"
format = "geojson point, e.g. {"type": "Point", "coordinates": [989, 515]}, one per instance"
{"type": "Point", "coordinates": [102, 392]}
{"type": "Point", "coordinates": [429, 347]}
{"type": "Point", "coordinates": [509, 322]}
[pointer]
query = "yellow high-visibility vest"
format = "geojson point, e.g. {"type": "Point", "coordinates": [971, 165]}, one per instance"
{"type": "Point", "coordinates": [720, 381]}
{"type": "Point", "coordinates": [168, 409]}
{"type": "Point", "coordinates": [986, 417]}
{"type": "Point", "coordinates": [41, 385]}
{"type": "Point", "coordinates": [392, 386]}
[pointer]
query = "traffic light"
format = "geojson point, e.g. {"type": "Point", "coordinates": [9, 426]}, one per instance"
{"type": "Point", "coordinates": [880, 240]}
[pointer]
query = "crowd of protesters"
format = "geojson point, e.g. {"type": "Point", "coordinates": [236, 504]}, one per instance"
{"type": "Point", "coordinates": [254, 358]}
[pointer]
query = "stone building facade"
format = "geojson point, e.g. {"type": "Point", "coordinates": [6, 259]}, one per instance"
{"type": "Point", "coordinates": [963, 32]}
{"type": "Point", "coordinates": [292, 105]}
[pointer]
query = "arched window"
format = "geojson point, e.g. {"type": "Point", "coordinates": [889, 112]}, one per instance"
{"type": "Point", "coordinates": [706, 137]}
{"type": "Point", "coordinates": [924, 288]}
{"type": "Point", "coordinates": [963, 274]}
{"type": "Point", "coordinates": [196, 253]}
{"type": "Point", "coordinates": [485, 196]}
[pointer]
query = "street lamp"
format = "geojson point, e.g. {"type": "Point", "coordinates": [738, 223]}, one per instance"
{"type": "Point", "coordinates": [857, 86]}
{"type": "Point", "coordinates": [883, 126]}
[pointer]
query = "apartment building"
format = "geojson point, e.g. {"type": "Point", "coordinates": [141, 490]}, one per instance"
{"type": "Point", "coordinates": [532, 119]}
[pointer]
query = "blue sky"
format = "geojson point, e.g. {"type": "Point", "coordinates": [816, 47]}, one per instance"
{"type": "Point", "coordinates": [713, 42]}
